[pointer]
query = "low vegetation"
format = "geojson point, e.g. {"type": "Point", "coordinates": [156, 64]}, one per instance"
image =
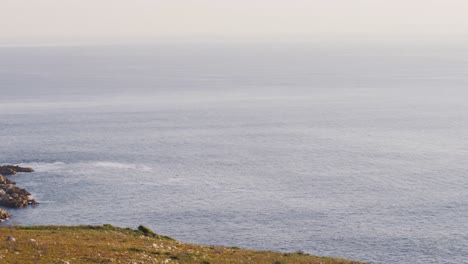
{"type": "Point", "coordinates": [109, 244]}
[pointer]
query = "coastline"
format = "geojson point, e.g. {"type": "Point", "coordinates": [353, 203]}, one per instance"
{"type": "Point", "coordinates": [110, 244]}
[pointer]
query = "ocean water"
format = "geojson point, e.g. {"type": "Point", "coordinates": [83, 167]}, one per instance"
{"type": "Point", "coordinates": [355, 152]}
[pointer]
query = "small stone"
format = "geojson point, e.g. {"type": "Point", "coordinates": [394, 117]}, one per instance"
{"type": "Point", "coordinates": [10, 238]}
{"type": "Point", "coordinates": [4, 215]}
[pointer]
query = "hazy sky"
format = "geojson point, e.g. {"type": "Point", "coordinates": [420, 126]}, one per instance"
{"type": "Point", "coordinates": [37, 21]}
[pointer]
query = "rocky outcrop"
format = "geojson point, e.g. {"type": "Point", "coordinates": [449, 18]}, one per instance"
{"type": "Point", "coordinates": [14, 197]}
{"type": "Point", "coordinates": [12, 169]}
{"type": "Point", "coordinates": [19, 169]}
{"type": "Point", "coordinates": [11, 195]}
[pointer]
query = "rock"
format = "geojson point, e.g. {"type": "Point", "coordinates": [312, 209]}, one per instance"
{"type": "Point", "coordinates": [12, 169]}
{"type": "Point", "coordinates": [19, 169]}
{"type": "Point", "coordinates": [4, 215]}
{"type": "Point", "coordinates": [6, 171]}
{"type": "Point", "coordinates": [11, 202]}
{"type": "Point", "coordinates": [10, 238]}
{"type": "Point", "coordinates": [11, 189]}
{"type": "Point", "coordinates": [14, 197]}
{"type": "Point", "coordinates": [5, 180]}
{"type": "Point", "coordinates": [33, 242]}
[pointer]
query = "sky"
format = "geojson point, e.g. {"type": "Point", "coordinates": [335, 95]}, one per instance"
{"type": "Point", "coordinates": [38, 21]}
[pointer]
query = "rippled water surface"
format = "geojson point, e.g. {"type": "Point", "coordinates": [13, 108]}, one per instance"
{"type": "Point", "coordinates": [350, 153]}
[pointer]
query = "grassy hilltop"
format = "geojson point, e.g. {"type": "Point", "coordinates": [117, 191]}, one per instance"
{"type": "Point", "coordinates": [109, 244]}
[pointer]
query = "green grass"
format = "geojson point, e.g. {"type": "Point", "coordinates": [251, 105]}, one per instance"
{"type": "Point", "coordinates": [110, 244]}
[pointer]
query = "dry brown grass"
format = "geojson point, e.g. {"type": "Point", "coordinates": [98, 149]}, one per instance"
{"type": "Point", "coordinates": [108, 244]}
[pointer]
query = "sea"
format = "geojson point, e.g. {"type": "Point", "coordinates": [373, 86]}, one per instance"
{"type": "Point", "coordinates": [358, 152]}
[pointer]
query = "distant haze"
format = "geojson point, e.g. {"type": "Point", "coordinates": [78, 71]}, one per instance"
{"type": "Point", "coordinates": [69, 21]}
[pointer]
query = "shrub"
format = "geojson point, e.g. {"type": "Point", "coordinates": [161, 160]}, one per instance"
{"type": "Point", "coordinates": [146, 231]}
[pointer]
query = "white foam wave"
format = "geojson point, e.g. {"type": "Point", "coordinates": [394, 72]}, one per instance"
{"type": "Point", "coordinates": [122, 166]}
{"type": "Point", "coordinates": [61, 166]}
{"type": "Point", "coordinates": [44, 166]}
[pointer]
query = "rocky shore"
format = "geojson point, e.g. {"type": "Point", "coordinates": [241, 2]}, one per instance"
{"type": "Point", "coordinates": [10, 195]}
{"type": "Point", "coordinates": [110, 244]}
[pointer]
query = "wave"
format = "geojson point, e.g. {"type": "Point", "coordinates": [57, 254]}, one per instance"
{"type": "Point", "coordinates": [44, 166]}
{"type": "Point", "coordinates": [124, 166]}
{"type": "Point", "coordinates": [55, 166]}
